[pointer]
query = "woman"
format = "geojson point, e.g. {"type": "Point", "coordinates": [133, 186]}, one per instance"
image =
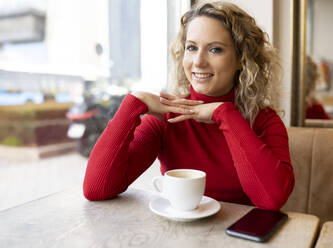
{"type": "Point", "coordinates": [314, 109]}
{"type": "Point", "coordinates": [225, 126]}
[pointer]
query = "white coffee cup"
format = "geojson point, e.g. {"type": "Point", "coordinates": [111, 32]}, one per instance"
{"type": "Point", "coordinates": [183, 188]}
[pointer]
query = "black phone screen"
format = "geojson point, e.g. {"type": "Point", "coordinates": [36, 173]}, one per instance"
{"type": "Point", "coordinates": [258, 224]}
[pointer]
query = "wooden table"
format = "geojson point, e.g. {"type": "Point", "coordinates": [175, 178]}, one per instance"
{"type": "Point", "coordinates": [67, 219]}
{"type": "Point", "coordinates": [325, 239]}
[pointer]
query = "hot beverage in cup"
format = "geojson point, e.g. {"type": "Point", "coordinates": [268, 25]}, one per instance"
{"type": "Point", "coordinates": [183, 188]}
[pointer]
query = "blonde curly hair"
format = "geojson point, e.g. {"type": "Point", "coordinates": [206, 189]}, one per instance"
{"type": "Point", "coordinates": [312, 76]}
{"type": "Point", "coordinates": [257, 83]}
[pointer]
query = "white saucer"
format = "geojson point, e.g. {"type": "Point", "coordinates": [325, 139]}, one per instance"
{"type": "Point", "coordinates": [207, 207]}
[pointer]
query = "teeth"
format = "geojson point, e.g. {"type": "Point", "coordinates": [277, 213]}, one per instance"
{"type": "Point", "coordinates": [203, 75]}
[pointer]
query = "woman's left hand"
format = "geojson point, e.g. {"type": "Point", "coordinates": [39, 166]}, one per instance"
{"type": "Point", "coordinates": [202, 112]}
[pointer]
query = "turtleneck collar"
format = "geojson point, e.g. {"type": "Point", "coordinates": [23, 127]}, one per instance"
{"type": "Point", "coordinates": [229, 97]}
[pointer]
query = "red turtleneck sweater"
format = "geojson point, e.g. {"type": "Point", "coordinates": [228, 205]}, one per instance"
{"type": "Point", "coordinates": [243, 165]}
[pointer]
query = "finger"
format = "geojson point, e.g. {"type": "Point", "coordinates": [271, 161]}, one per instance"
{"type": "Point", "coordinates": [178, 102]}
{"type": "Point", "coordinates": [188, 102]}
{"type": "Point", "coordinates": [180, 110]}
{"type": "Point", "coordinates": [167, 96]}
{"type": "Point", "coordinates": [180, 118]}
{"type": "Point", "coordinates": [167, 102]}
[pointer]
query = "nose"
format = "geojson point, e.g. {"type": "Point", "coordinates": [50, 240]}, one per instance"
{"type": "Point", "coordinates": [200, 59]}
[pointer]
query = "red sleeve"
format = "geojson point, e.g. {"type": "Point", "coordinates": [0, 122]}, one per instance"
{"type": "Point", "coordinates": [261, 156]}
{"type": "Point", "coordinates": [126, 148]}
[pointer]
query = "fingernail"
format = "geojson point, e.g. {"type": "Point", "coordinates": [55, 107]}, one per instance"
{"type": "Point", "coordinates": [200, 101]}
{"type": "Point", "coordinates": [191, 111]}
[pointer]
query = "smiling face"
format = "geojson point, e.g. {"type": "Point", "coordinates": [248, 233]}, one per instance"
{"type": "Point", "coordinates": [210, 62]}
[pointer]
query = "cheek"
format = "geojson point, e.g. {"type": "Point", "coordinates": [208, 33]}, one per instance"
{"type": "Point", "coordinates": [186, 65]}
{"type": "Point", "coordinates": [185, 61]}
{"type": "Point", "coordinates": [225, 66]}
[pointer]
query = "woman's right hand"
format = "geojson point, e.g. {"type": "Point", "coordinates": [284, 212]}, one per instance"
{"type": "Point", "coordinates": [157, 109]}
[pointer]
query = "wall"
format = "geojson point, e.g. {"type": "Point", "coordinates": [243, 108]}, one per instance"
{"type": "Point", "coordinates": [282, 41]}
{"type": "Point", "coordinates": [321, 41]}
{"type": "Point", "coordinates": [261, 10]}
{"type": "Point", "coordinates": [322, 38]}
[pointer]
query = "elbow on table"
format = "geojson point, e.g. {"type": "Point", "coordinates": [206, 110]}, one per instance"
{"type": "Point", "coordinates": [97, 190]}
{"type": "Point", "coordinates": [279, 196]}
{"type": "Point", "coordinates": [96, 194]}
{"type": "Point", "coordinates": [273, 204]}
{"type": "Point", "coordinates": [277, 202]}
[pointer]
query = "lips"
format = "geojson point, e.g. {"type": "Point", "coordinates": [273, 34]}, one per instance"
{"type": "Point", "coordinates": [202, 76]}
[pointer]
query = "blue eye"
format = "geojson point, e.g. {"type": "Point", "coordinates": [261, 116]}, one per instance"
{"type": "Point", "coordinates": [216, 50]}
{"type": "Point", "coordinates": [190, 48]}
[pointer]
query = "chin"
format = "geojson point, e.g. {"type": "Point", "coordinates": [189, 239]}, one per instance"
{"type": "Point", "coordinates": [200, 89]}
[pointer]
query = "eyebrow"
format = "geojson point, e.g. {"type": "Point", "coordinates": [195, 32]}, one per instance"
{"type": "Point", "coordinates": [210, 43]}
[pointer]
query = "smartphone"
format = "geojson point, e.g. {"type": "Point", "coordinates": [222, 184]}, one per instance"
{"type": "Point", "coordinates": [257, 225]}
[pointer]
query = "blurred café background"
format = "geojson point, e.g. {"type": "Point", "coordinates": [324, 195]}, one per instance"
{"type": "Point", "coordinates": [55, 54]}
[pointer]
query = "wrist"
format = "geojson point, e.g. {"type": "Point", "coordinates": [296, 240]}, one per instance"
{"type": "Point", "coordinates": [139, 95]}
{"type": "Point", "coordinates": [215, 106]}
{"type": "Point", "coordinates": [142, 96]}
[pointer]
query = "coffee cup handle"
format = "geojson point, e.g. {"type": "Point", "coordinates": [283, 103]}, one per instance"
{"type": "Point", "coordinates": [156, 181]}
